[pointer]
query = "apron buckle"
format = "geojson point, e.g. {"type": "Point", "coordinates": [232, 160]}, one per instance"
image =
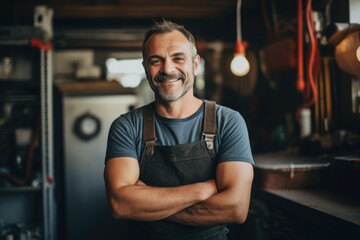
{"type": "Point", "coordinates": [149, 147]}
{"type": "Point", "coordinates": [209, 139]}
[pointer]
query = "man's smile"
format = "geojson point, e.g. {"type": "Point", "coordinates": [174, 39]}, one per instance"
{"type": "Point", "coordinates": [169, 78]}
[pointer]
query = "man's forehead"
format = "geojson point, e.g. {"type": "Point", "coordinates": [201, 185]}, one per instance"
{"type": "Point", "coordinates": [173, 34]}
{"type": "Point", "coordinates": [172, 40]}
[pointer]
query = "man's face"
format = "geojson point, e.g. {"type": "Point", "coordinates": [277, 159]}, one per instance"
{"type": "Point", "coordinates": [170, 65]}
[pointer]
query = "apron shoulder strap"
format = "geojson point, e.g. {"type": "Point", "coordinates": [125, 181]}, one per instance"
{"type": "Point", "coordinates": [149, 135]}
{"type": "Point", "coordinates": [209, 130]}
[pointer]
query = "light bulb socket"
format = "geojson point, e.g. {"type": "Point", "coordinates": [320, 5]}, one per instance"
{"type": "Point", "coordinates": [240, 47]}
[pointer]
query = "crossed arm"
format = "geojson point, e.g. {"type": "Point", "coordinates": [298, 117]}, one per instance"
{"type": "Point", "coordinates": [225, 200]}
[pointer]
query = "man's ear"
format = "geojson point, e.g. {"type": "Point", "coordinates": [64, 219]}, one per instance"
{"type": "Point", "coordinates": [196, 64]}
{"type": "Point", "coordinates": [146, 74]}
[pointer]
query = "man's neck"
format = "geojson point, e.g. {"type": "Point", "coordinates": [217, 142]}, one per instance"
{"type": "Point", "coordinates": [182, 108]}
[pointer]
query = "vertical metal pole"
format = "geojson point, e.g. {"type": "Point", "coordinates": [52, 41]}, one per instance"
{"type": "Point", "coordinates": [47, 145]}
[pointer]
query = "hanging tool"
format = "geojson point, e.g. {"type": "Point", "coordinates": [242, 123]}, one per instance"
{"type": "Point", "coordinates": [300, 83]}
{"type": "Point", "coordinates": [20, 181]}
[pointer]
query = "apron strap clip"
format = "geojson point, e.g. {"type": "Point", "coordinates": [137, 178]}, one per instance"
{"type": "Point", "coordinates": [149, 146]}
{"type": "Point", "coordinates": [209, 139]}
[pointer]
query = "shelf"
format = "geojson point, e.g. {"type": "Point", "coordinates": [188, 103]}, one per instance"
{"type": "Point", "coordinates": [93, 87]}
{"type": "Point", "coordinates": [19, 85]}
{"type": "Point", "coordinates": [19, 189]}
{"type": "Point", "coordinates": [28, 94]}
{"type": "Point", "coordinates": [19, 91]}
{"type": "Point", "coordinates": [27, 100]}
{"type": "Point", "coordinates": [18, 35]}
{"type": "Point", "coordinates": [15, 42]}
{"type": "Point", "coordinates": [17, 82]}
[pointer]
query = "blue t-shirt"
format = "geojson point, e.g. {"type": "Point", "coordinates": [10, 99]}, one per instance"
{"type": "Point", "coordinates": [231, 141]}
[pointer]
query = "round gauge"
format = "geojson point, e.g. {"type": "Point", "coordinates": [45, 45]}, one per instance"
{"type": "Point", "coordinates": [86, 126]}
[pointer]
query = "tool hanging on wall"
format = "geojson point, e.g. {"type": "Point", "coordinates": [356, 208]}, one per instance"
{"type": "Point", "coordinates": [311, 93]}
{"type": "Point", "coordinates": [280, 54]}
{"type": "Point", "coordinates": [308, 85]}
{"type": "Point", "coordinates": [23, 180]}
{"type": "Point", "coordinates": [300, 83]}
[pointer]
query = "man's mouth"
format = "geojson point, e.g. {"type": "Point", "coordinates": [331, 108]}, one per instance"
{"type": "Point", "coordinates": [169, 78]}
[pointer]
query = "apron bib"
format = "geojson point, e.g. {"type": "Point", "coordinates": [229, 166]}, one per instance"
{"type": "Point", "coordinates": [171, 166]}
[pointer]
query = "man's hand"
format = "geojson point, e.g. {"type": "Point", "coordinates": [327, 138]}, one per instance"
{"type": "Point", "coordinates": [140, 183]}
{"type": "Point", "coordinates": [229, 205]}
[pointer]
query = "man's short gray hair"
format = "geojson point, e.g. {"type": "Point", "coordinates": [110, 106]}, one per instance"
{"type": "Point", "coordinates": [166, 26]}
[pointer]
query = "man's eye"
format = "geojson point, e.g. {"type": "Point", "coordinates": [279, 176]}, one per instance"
{"type": "Point", "coordinates": [179, 59]}
{"type": "Point", "coordinates": [155, 62]}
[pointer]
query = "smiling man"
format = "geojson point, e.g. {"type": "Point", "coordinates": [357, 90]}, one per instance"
{"type": "Point", "coordinates": [170, 62]}
{"type": "Point", "coordinates": [180, 167]}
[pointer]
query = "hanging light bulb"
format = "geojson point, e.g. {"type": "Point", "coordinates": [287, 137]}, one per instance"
{"type": "Point", "coordinates": [240, 65]}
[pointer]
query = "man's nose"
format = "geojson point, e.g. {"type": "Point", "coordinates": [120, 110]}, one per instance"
{"type": "Point", "coordinates": [167, 67]}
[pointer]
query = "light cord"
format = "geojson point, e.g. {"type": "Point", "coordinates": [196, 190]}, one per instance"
{"type": "Point", "coordinates": [238, 20]}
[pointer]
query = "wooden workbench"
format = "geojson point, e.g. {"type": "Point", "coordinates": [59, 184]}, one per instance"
{"type": "Point", "coordinates": [336, 214]}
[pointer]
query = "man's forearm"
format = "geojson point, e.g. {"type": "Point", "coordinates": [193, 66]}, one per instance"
{"type": "Point", "coordinates": [229, 205]}
{"type": "Point", "coordinates": [214, 210]}
{"type": "Point", "coordinates": [141, 202]}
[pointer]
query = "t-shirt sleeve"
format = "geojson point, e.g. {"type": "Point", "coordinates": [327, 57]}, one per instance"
{"type": "Point", "coordinates": [121, 140]}
{"type": "Point", "coordinates": [234, 144]}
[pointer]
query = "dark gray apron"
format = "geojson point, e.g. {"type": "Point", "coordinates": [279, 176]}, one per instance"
{"type": "Point", "coordinates": [171, 166]}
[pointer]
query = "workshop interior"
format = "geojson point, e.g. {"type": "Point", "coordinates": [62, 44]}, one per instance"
{"type": "Point", "coordinates": [291, 68]}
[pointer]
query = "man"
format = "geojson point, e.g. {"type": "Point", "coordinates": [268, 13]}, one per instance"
{"type": "Point", "coordinates": [180, 167]}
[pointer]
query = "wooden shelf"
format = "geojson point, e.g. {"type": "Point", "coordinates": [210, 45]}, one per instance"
{"type": "Point", "coordinates": [93, 87]}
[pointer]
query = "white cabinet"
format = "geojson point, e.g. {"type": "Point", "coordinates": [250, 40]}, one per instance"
{"type": "Point", "coordinates": [86, 123]}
